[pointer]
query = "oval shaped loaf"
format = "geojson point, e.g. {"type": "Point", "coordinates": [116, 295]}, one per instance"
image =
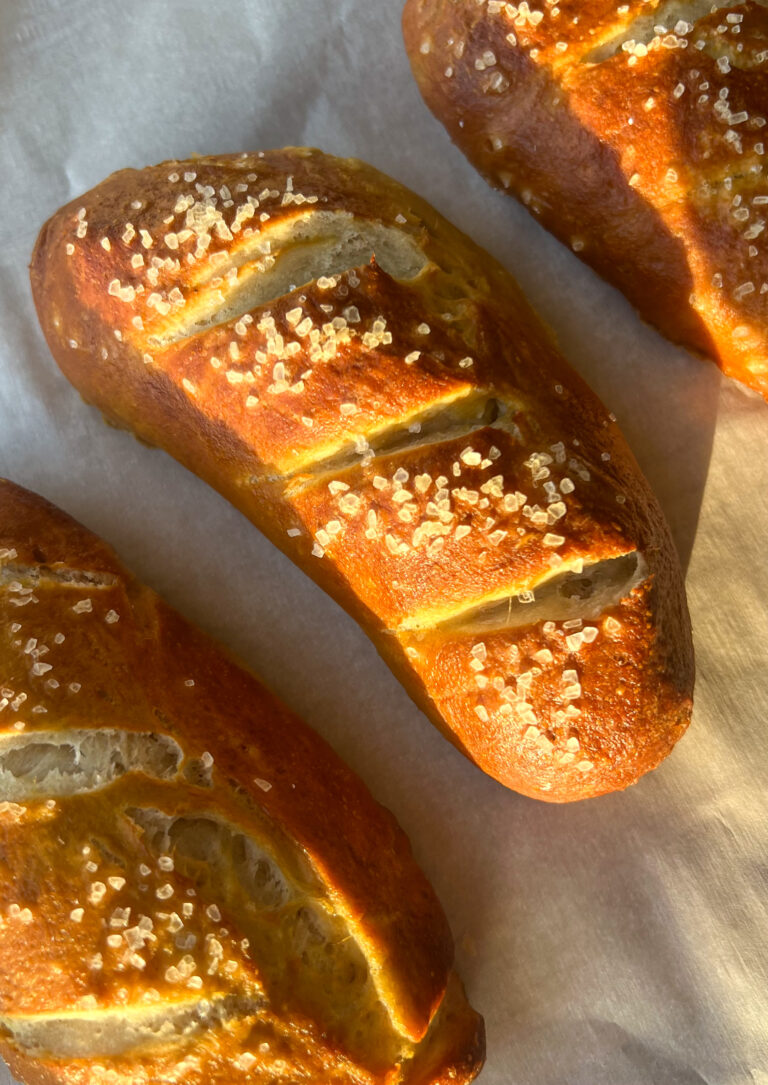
{"type": "Point", "coordinates": [635, 132]}
{"type": "Point", "coordinates": [194, 887]}
{"type": "Point", "coordinates": [404, 429]}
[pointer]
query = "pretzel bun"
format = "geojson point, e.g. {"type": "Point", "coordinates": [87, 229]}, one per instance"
{"type": "Point", "coordinates": [194, 887]}
{"type": "Point", "coordinates": [373, 392]}
{"type": "Point", "coordinates": [635, 132]}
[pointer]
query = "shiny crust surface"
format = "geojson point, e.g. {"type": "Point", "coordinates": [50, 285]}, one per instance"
{"type": "Point", "coordinates": [94, 921]}
{"type": "Point", "coordinates": [403, 428]}
{"type": "Point", "coordinates": [635, 132]}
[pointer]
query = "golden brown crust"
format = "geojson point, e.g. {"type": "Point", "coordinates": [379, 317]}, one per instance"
{"type": "Point", "coordinates": [410, 437]}
{"type": "Point", "coordinates": [92, 920]}
{"type": "Point", "coordinates": [635, 133]}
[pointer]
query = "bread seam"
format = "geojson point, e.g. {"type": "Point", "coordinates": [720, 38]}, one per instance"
{"type": "Point", "coordinates": [461, 620]}
{"type": "Point", "coordinates": [23, 1028]}
{"type": "Point", "coordinates": [257, 286]}
{"type": "Point", "coordinates": [690, 11]}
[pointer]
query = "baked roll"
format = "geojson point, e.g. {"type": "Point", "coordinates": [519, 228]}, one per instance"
{"type": "Point", "coordinates": [373, 392]}
{"type": "Point", "coordinates": [193, 887]}
{"type": "Point", "coordinates": [635, 132]}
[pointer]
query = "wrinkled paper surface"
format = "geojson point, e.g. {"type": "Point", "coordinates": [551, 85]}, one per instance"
{"type": "Point", "coordinates": [623, 941]}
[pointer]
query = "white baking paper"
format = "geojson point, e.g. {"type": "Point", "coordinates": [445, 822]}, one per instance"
{"type": "Point", "coordinates": [621, 941]}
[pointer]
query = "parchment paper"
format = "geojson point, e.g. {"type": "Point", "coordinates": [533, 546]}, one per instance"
{"type": "Point", "coordinates": [618, 942]}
